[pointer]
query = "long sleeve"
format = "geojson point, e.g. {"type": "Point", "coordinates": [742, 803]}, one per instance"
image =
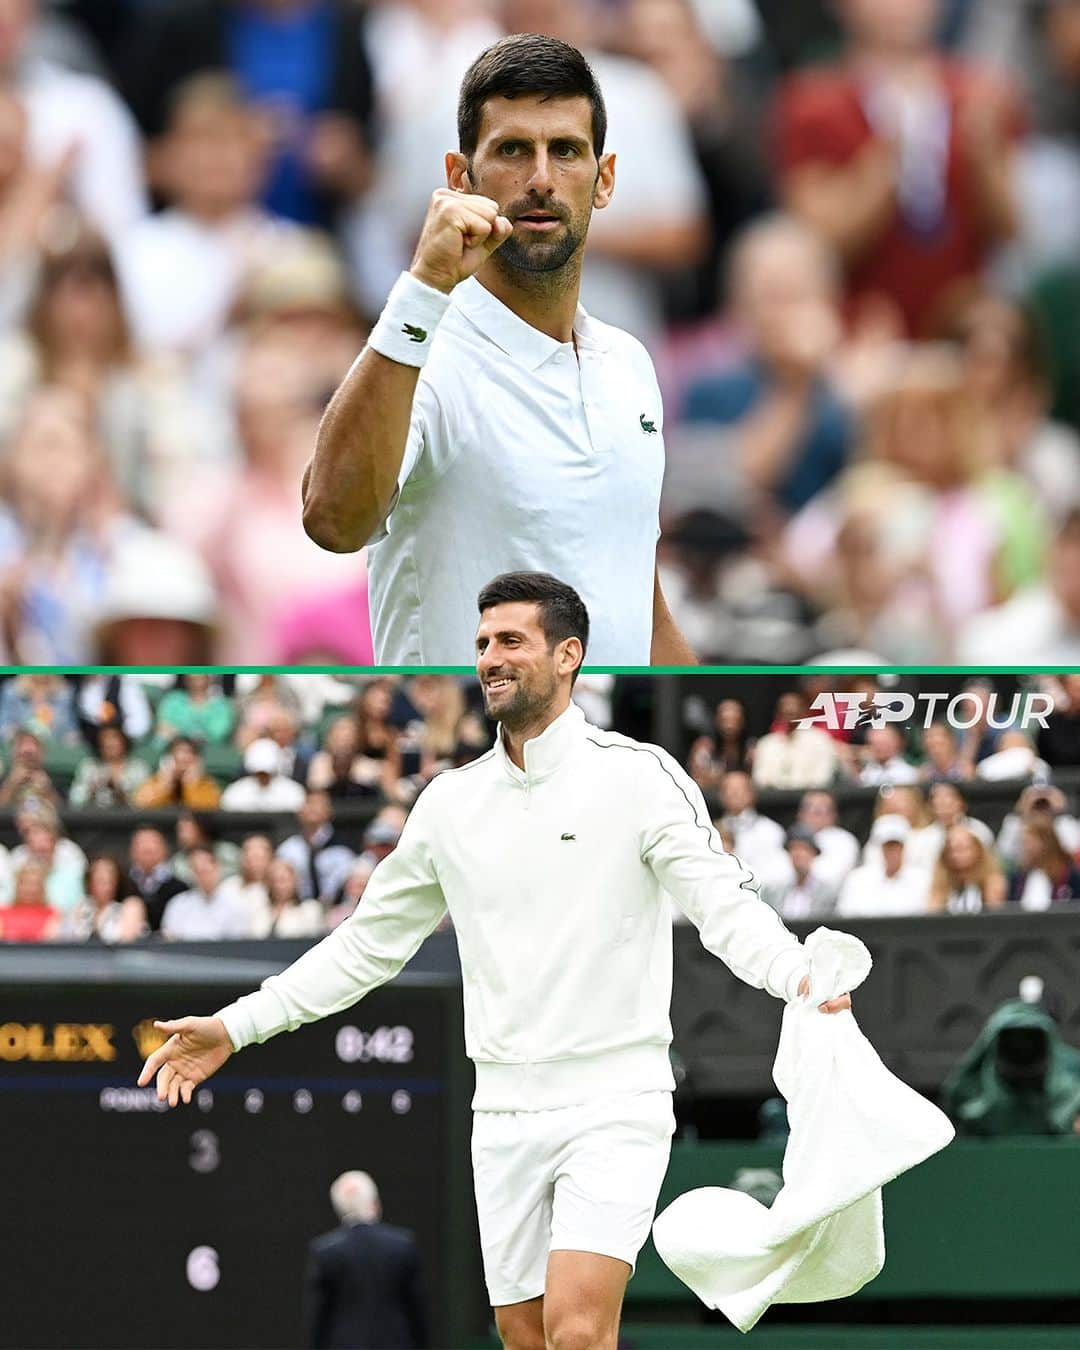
{"type": "Point", "coordinates": [402, 904]}
{"type": "Point", "coordinates": [717, 892]}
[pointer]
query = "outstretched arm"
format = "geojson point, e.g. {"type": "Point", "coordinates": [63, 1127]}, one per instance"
{"type": "Point", "coordinates": [402, 904]}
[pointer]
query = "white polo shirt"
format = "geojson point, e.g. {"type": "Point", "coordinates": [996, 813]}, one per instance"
{"type": "Point", "coordinates": [523, 455]}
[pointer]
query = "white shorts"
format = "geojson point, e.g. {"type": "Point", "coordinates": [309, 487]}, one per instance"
{"type": "Point", "coordinates": [578, 1178]}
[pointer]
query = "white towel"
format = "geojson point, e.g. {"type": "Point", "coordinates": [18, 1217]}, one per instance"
{"type": "Point", "coordinates": [854, 1126]}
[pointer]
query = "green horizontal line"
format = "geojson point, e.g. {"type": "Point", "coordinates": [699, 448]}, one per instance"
{"type": "Point", "coordinates": [587, 670]}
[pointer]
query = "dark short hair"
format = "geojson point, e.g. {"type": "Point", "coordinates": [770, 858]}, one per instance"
{"type": "Point", "coordinates": [195, 745]}
{"type": "Point", "coordinates": [527, 63]}
{"type": "Point", "coordinates": [562, 610]}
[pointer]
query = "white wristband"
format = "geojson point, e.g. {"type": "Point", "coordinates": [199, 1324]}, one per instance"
{"type": "Point", "coordinates": [408, 322]}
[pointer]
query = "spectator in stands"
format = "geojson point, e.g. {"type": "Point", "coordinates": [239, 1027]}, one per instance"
{"type": "Point", "coordinates": [158, 608]}
{"type": "Point", "coordinates": [62, 859]}
{"type": "Point", "coordinates": [249, 886]}
{"type": "Point", "coordinates": [303, 64]}
{"type": "Point", "coordinates": [77, 337]}
{"type": "Point", "coordinates": [922, 846]}
{"type": "Point", "coordinates": [29, 193]}
{"type": "Point", "coordinates": [980, 739]}
{"type": "Point", "coordinates": [40, 704]}
{"type": "Point", "coordinates": [77, 119]}
{"type": "Point", "coordinates": [111, 700]}
{"type": "Point", "coordinates": [758, 840]}
{"type": "Point", "coordinates": [923, 532]}
{"type": "Point", "coordinates": [1006, 366]}
{"type": "Point", "coordinates": [967, 878]}
{"type": "Point", "coordinates": [260, 706]}
{"type": "Point", "coordinates": [264, 787]}
{"type": "Point", "coordinates": [341, 770]}
{"type": "Point", "coordinates": [180, 780]}
{"type": "Point", "coordinates": [890, 886]}
{"type": "Point", "coordinates": [110, 912]}
{"type": "Point", "coordinates": [56, 532]}
{"type": "Point", "coordinates": [885, 764]}
{"type": "Point", "coordinates": [196, 708]}
{"type": "Point", "coordinates": [196, 829]}
{"type": "Point", "coordinates": [1046, 613]}
{"type": "Point", "coordinates": [378, 739]}
{"type": "Point", "coordinates": [203, 913]}
{"type": "Point", "coordinates": [706, 58]}
{"type": "Point", "coordinates": [241, 518]}
{"type": "Point", "coordinates": [838, 849]}
{"type": "Point", "coordinates": [948, 808]}
{"type": "Point", "coordinates": [184, 270]}
{"type": "Point", "coordinates": [1014, 757]}
{"type": "Point", "coordinates": [351, 891]}
{"type": "Point", "coordinates": [154, 881]}
{"type": "Point", "coordinates": [729, 749]}
{"type": "Point", "coordinates": [27, 778]}
{"type": "Point", "coordinates": [1048, 873]}
{"type": "Point", "coordinates": [944, 760]}
{"type": "Point", "coordinates": [317, 854]}
{"type": "Point", "coordinates": [113, 778]}
{"type": "Point", "coordinates": [287, 915]}
{"type": "Point", "coordinates": [803, 893]}
{"type": "Point", "coordinates": [1038, 803]}
{"type": "Point", "coordinates": [382, 835]}
{"type": "Point", "coordinates": [1059, 740]}
{"type": "Point", "coordinates": [794, 756]}
{"type": "Point", "coordinates": [903, 159]}
{"type": "Point", "coordinates": [784, 427]}
{"type": "Point", "coordinates": [30, 917]}
{"type": "Point", "coordinates": [284, 730]}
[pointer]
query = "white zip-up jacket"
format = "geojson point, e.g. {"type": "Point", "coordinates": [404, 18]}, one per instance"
{"type": "Point", "coordinates": [557, 881]}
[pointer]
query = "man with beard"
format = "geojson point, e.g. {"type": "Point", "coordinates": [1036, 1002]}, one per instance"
{"type": "Point", "coordinates": [555, 854]}
{"type": "Point", "coordinates": [490, 424]}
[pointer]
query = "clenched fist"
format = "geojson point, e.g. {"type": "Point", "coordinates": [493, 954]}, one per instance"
{"type": "Point", "coordinates": [460, 232]}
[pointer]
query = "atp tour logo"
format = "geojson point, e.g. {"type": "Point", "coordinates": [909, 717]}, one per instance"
{"type": "Point", "coordinates": [845, 712]}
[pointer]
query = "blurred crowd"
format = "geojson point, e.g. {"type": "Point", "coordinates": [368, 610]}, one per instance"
{"type": "Point", "coordinates": [251, 806]}
{"type": "Point", "coordinates": [926, 849]}
{"type": "Point", "coordinates": [848, 231]}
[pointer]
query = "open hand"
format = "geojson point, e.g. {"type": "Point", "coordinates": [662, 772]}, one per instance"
{"type": "Point", "coordinates": [197, 1048]}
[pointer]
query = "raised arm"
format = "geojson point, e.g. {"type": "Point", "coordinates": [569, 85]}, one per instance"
{"type": "Point", "coordinates": [350, 482]}
{"type": "Point", "coordinates": [402, 904]}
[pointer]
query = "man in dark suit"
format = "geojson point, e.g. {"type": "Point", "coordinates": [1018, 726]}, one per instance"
{"type": "Point", "coordinates": [363, 1279]}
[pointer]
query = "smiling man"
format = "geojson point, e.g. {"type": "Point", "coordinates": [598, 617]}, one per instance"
{"type": "Point", "coordinates": [490, 424]}
{"type": "Point", "coordinates": [555, 855]}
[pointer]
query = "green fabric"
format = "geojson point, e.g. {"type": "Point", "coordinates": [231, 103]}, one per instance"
{"type": "Point", "coordinates": [1023, 528]}
{"type": "Point", "coordinates": [210, 722]}
{"type": "Point", "coordinates": [981, 1101]}
{"type": "Point", "coordinates": [1055, 298]}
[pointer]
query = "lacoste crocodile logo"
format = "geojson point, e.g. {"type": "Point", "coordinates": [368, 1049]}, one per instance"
{"type": "Point", "coordinates": [647, 426]}
{"type": "Point", "coordinates": [563, 837]}
{"type": "Point", "coordinates": [414, 334]}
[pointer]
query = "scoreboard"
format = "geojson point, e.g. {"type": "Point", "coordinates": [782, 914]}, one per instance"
{"type": "Point", "coordinates": [125, 1224]}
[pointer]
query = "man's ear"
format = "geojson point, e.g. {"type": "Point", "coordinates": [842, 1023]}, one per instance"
{"type": "Point", "coordinates": [457, 171]}
{"type": "Point", "coordinates": [605, 181]}
{"type": "Point", "coordinates": [571, 656]}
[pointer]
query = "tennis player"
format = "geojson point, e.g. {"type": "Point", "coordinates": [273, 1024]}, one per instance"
{"type": "Point", "coordinates": [555, 854]}
{"type": "Point", "coordinates": [490, 424]}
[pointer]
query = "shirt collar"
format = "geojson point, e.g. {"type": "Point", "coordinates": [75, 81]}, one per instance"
{"type": "Point", "coordinates": [518, 339]}
{"type": "Point", "coordinates": [546, 752]}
